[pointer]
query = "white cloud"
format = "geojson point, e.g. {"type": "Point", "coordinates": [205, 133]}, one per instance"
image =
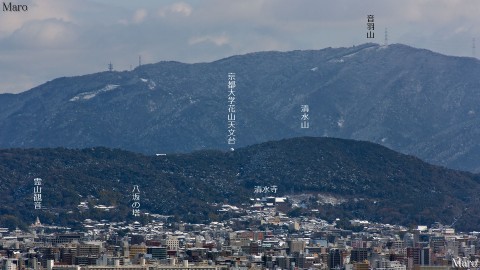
{"type": "Point", "coordinates": [139, 15]}
{"type": "Point", "coordinates": [176, 8]}
{"type": "Point", "coordinates": [218, 40]}
{"type": "Point", "coordinates": [50, 33]}
{"type": "Point", "coordinates": [37, 10]}
{"type": "Point", "coordinates": [182, 8]}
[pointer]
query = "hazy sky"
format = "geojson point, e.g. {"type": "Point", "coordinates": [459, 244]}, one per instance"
{"type": "Point", "coordinates": [58, 38]}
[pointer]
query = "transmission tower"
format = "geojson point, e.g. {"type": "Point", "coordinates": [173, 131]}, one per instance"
{"type": "Point", "coordinates": [386, 37]}
{"type": "Point", "coordinates": [473, 47]}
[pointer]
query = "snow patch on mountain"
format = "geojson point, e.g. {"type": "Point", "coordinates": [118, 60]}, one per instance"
{"type": "Point", "coordinates": [336, 61]}
{"type": "Point", "coordinates": [151, 84]}
{"type": "Point", "coordinates": [329, 199]}
{"type": "Point", "coordinates": [92, 94]}
{"type": "Point", "coordinates": [350, 55]}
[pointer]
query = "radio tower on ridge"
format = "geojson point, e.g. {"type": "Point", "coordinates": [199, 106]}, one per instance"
{"type": "Point", "coordinates": [386, 37]}
{"type": "Point", "coordinates": [473, 47]}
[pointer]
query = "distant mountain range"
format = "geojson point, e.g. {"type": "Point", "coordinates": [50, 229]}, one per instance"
{"type": "Point", "coordinates": [367, 180]}
{"type": "Point", "coordinates": [411, 100]}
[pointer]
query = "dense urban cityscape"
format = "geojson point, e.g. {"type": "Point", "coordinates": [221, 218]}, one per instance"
{"type": "Point", "coordinates": [261, 238]}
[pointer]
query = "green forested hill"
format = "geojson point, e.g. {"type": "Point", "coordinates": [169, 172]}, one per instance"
{"type": "Point", "coordinates": [373, 182]}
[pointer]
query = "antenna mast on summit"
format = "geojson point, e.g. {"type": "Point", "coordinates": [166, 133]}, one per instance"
{"type": "Point", "coordinates": [473, 47]}
{"type": "Point", "coordinates": [110, 67]}
{"type": "Point", "coordinates": [139, 60]}
{"type": "Point", "coordinates": [386, 37]}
